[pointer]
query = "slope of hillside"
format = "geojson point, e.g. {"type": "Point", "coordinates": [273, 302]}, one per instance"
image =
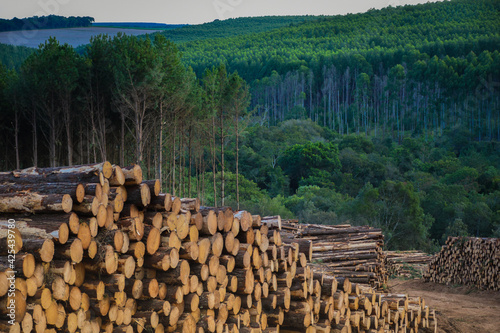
{"type": "Point", "coordinates": [451, 28]}
{"type": "Point", "coordinates": [176, 33]}
{"type": "Point", "coordinates": [233, 27]}
{"type": "Point", "coordinates": [419, 69]}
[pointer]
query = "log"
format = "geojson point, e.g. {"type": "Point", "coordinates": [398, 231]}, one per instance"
{"type": "Point", "coordinates": [30, 202]}
{"type": "Point", "coordinates": [154, 186]}
{"type": "Point", "coordinates": [13, 306]}
{"type": "Point", "coordinates": [273, 222]}
{"type": "Point", "coordinates": [139, 195]}
{"type": "Point", "coordinates": [74, 174]}
{"type": "Point", "coordinates": [11, 241]}
{"type": "Point", "coordinates": [245, 219]}
{"type": "Point", "coordinates": [161, 202]}
{"type": "Point", "coordinates": [179, 275]}
{"type": "Point", "coordinates": [75, 190]}
{"type": "Point", "coordinates": [209, 220]}
{"type": "Point", "coordinates": [190, 204]}
{"type": "Point", "coordinates": [41, 249]}
{"type": "Point", "coordinates": [133, 175]}
{"type": "Point", "coordinates": [89, 206]}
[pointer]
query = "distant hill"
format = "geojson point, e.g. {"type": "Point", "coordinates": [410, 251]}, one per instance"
{"type": "Point", "coordinates": [45, 22]}
{"type": "Point", "coordinates": [421, 65]}
{"type": "Point", "coordinates": [138, 25]}
{"type": "Point", "coordinates": [178, 33]}
{"type": "Point", "coordinates": [234, 27]}
{"type": "Point", "coordinates": [367, 40]}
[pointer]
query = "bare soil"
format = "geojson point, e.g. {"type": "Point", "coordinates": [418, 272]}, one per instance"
{"type": "Point", "coordinates": [461, 309]}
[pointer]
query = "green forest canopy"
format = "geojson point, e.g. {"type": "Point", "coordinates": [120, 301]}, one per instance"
{"type": "Point", "coordinates": [389, 118]}
{"type": "Point", "coordinates": [233, 27]}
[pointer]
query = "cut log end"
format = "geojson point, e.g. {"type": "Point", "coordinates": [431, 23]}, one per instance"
{"type": "Point", "coordinates": [107, 170]}
{"type": "Point", "coordinates": [80, 193]}
{"type": "Point", "coordinates": [67, 203]}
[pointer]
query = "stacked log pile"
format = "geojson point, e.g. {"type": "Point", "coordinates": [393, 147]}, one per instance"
{"type": "Point", "coordinates": [407, 263]}
{"type": "Point", "coordinates": [468, 261]}
{"type": "Point", "coordinates": [348, 251]}
{"type": "Point", "coordinates": [97, 249]}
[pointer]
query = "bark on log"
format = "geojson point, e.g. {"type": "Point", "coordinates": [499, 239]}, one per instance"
{"type": "Point", "coordinates": [74, 174]}
{"type": "Point", "coordinates": [75, 190]}
{"type": "Point", "coordinates": [35, 203]}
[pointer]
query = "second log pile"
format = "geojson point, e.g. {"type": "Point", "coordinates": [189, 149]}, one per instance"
{"type": "Point", "coordinates": [100, 250]}
{"type": "Point", "coordinates": [409, 264]}
{"type": "Point", "coordinates": [353, 252]}
{"type": "Point", "coordinates": [468, 261]}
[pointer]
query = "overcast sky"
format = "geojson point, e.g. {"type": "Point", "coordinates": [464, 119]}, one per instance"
{"type": "Point", "coordinates": [186, 11]}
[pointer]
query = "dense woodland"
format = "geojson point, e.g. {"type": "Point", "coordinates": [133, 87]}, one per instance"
{"type": "Point", "coordinates": [45, 22]}
{"type": "Point", "coordinates": [12, 57]}
{"type": "Point", "coordinates": [389, 118]}
{"type": "Point", "coordinates": [233, 27]}
{"type": "Point", "coordinates": [413, 68]}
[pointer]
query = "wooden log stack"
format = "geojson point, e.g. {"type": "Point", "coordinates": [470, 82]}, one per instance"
{"type": "Point", "coordinates": [353, 252]}
{"type": "Point", "coordinates": [407, 263]}
{"type": "Point", "coordinates": [97, 249]}
{"type": "Point", "coordinates": [467, 261]}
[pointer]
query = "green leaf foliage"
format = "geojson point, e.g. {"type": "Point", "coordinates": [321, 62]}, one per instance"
{"type": "Point", "coordinates": [314, 162]}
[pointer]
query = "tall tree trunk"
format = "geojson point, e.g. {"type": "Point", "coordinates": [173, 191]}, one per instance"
{"type": "Point", "coordinates": [52, 143]}
{"type": "Point", "coordinates": [35, 138]}
{"type": "Point", "coordinates": [122, 148]}
{"type": "Point", "coordinates": [69, 141]}
{"type": "Point", "coordinates": [181, 160]}
{"type": "Point", "coordinates": [88, 145]}
{"type": "Point", "coordinates": [190, 160]}
{"type": "Point", "coordinates": [138, 135]}
{"type": "Point", "coordinates": [16, 137]}
{"type": "Point", "coordinates": [222, 180]}
{"type": "Point", "coordinates": [160, 146]}
{"type": "Point", "coordinates": [173, 155]}
{"type": "Point", "coordinates": [202, 162]}
{"type": "Point", "coordinates": [237, 160]}
{"type": "Point", "coordinates": [80, 143]}
{"type": "Point", "coordinates": [213, 160]}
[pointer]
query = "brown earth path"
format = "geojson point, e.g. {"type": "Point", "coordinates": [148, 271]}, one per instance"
{"type": "Point", "coordinates": [459, 309]}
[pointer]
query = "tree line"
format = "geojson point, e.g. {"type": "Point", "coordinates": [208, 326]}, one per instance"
{"type": "Point", "coordinates": [45, 22]}
{"type": "Point", "coordinates": [127, 100]}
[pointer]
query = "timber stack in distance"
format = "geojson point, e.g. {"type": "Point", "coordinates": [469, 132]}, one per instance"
{"type": "Point", "coordinates": [468, 261]}
{"type": "Point", "coordinates": [407, 263]}
{"type": "Point", "coordinates": [97, 249]}
{"type": "Point", "coordinates": [353, 252]}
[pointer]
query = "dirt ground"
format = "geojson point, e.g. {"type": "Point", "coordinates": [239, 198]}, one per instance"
{"type": "Point", "coordinates": [459, 309]}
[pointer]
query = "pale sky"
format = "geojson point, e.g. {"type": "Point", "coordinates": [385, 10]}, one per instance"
{"type": "Point", "coordinates": [186, 11]}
